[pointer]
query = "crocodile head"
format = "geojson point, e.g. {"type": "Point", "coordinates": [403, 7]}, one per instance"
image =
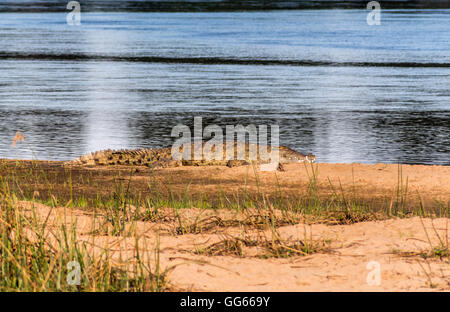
{"type": "Point", "coordinates": [311, 158]}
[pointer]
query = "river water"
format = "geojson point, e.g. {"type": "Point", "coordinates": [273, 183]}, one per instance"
{"type": "Point", "coordinates": [336, 87]}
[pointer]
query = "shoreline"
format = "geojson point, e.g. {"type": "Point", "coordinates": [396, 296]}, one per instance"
{"type": "Point", "coordinates": [427, 185]}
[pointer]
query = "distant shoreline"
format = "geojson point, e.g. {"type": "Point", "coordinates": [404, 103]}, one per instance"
{"type": "Point", "coordinates": [211, 6]}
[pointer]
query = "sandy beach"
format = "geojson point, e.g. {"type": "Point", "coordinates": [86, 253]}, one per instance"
{"type": "Point", "coordinates": [252, 249]}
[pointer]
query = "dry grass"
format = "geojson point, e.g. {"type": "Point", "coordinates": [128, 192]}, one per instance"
{"type": "Point", "coordinates": [35, 252]}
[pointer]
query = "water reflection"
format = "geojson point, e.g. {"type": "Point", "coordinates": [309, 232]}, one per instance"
{"type": "Point", "coordinates": [106, 125]}
{"type": "Point", "coordinates": [381, 136]}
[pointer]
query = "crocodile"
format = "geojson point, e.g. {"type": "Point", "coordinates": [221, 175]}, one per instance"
{"type": "Point", "coordinates": [162, 158]}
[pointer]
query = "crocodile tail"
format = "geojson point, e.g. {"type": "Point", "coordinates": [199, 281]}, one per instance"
{"type": "Point", "coordinates": [140, 157]}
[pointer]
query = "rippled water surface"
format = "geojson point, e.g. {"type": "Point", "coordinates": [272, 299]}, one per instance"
{"type": "Point", "coordinates": [339, 88]}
